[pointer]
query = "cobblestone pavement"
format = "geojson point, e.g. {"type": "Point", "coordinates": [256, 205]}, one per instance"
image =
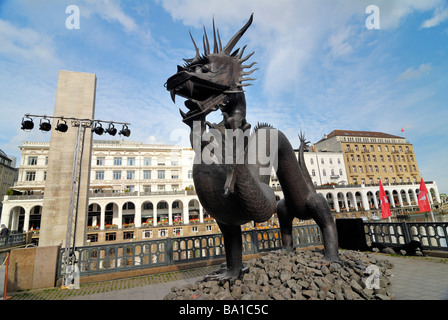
{"type": "Point", "coordinates": [413, 278]}
{"type": "Point", "coordinates": [129, 288]}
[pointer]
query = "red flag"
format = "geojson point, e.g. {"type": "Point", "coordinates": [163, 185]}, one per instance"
{"type": "Point", "coordinates": [423, 201]}
{"type": "Point", "coordinates": [385, 209]}
{"type": "Point", "coordinates": [402, 129]}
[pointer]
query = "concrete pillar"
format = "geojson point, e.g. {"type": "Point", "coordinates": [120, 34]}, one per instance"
{"type": "Point", "coordinates": [120, 217]}
{"type": "Point", "coordinates": [138, 216]}
{"type": "Point", "coordinates": [335, 202]}
{"type": "Point", "coordinates": [75, 97]}
{"type": "Point", "coordinates": [185, 217]}
{"type": "Point", "coordinates": [103, 217]}
{"type": "Point", "coordinates": [26, 222]}
{"type": "Point", "coordinates": [154, 218]}
{"type": "Point", "coordinates": [170, 214]}
{"type": "Point", "coordinates": [201, 214]}
{"type": "Point", "coordinates": [364, 200]}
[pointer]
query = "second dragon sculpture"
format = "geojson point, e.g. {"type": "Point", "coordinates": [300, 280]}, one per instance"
{"type": "Point", "coordinates": [230, 177]}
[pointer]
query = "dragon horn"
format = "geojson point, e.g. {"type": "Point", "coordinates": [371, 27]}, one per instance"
{"type": "Point", "coordinates": [215, 43]}
{"type": "Point", "coordinates": [195, 46]}
{"type": "Point", "coordinates": [206, 44]}
{"type": "Point", "coordinates": [232, 43]}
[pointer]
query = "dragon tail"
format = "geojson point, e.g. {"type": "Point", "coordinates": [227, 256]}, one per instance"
{"type": "Point", "coordinates": [301, 160]}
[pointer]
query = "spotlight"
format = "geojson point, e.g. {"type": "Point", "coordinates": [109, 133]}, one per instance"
{"type": "Point", "coordinates": [125, 131]}
{"type": "Point", "coordinates": [62, 127]}
{"type": "Point", "coordinates": [98, 129]}
{"type": "Point", "coordinates": [27, 124]}
{"type": "Point", "coordinates": [45, 125]}
{"type": "Point", "coordinates": [111, 130]}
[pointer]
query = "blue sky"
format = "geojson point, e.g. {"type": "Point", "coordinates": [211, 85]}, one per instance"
{"type": "Point", "coordinates": [321, 68]}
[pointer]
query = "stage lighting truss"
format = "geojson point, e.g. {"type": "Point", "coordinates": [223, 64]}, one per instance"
{"type": "Point", "coordinates": [62, 126]}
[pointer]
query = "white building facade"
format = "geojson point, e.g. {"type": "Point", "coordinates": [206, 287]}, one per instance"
{"type": "Point", "coordinates": [140, 191]}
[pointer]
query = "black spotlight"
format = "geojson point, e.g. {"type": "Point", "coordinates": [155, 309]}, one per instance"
{"type": "Point", "coordinates": [125, 131]}
{"type": "Point", "coordinates": [45, 125]}
{"type": "Point", "coordinates": [62, 127]}
{"type": "Point", "coordinates": [98, 129]}
{"type": "Point", "coordinates": [111, 129]}
{"type": "Point", "coordinates": [27, 124]}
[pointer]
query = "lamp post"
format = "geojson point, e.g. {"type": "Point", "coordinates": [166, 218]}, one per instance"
{"type": "Point", "coordinates": [69, 268]}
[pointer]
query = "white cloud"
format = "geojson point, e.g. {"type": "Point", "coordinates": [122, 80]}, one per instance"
{"type": "Point", "coordinates": [393, 13]}
{"type": "Point", "coordinates": [339, 43]}
{"type": "Point", "coordinates": [25, 43]}
{"type": "Point", "coordinates": [440, 15]}
{"type": "Point", "coordinates": [412, 73]}
{"type": "Point", "coordinates": [110, 11]}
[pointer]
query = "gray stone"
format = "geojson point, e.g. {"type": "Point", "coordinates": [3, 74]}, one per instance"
{"type": "Point", "coordinates": [296, 275]}
{"type": "Point", "coordinates": [285, 276]}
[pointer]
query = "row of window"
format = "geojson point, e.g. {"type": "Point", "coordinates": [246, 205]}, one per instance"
{"type": "Point", "coordinates": [324, 172]}
{"type": "Point", "coordinates": [386, 180]}
{"type": "Point", "coordinates": [379, 148]}
{"type": "Point", "coordinates": [117, 175]}
{"type": "Point", "coordinates": [370, 168]}
{"type": "Point", "coordinates": [31, 176]}
{"type": "Point", "coordinates": [367, 157]}
{"type": "Point", "coordinates": [130, 175]}
{"type": "Point", "coordinates": [146, 234]}
{"type": "Point", "coordinates": [322, 161]}
{"type": "Point", "coordinates": [32, 161]}
{"type": "Point", "coordinates": [130, 161]}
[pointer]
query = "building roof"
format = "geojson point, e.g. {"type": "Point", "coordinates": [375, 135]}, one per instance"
{"type": "Point", "coordinates": [364, 134]}
{"type": "Point", "coordinates": [3, 154]}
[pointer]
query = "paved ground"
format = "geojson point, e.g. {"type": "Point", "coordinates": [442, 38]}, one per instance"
{"type": "Point", "coordinates": [413, 278]}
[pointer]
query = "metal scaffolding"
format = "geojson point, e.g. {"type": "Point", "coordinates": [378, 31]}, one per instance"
{"type": "Point", "coordinates": [70, 270]}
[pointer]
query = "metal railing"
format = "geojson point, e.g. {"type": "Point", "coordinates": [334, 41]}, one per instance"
{"type": "Point", "coordinates": [13, 239]}
{"type": "Point", "coordinates": [155, 253]}
{"type": "Point", "coordinates": [431, 235]}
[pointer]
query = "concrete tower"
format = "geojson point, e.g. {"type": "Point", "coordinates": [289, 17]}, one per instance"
{"type": "Point", "coordinates": [75, 97]}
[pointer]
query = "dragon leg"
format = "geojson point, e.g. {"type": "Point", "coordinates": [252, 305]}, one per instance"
{"type": "Point", "coordinates": [234, 254]}
{"type": "Point", "coordinates": [317, 207]}
{"type": "Point", "coordinates": [285, 220]}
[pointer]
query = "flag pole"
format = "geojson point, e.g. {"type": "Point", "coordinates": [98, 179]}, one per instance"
{"type": "Point", "coordinates": [430, 208]}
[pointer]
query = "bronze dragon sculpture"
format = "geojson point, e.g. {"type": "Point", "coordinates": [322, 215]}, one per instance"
{"type": "Point", "coordinates": [233, 189]}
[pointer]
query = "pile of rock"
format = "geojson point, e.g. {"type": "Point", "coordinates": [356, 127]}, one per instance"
{"type": "Point", "coordinates": [299, 275]}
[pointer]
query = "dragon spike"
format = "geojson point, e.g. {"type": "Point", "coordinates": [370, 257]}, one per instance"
{"type": "Point", "coordinates": [195, 46]}
{"type": "Point", "coordinates": [249, 66]}
{"type": "Point", "coordinates": [182, 114]}
{"type": "Point", "coordinates": [235, 52]}
{"type": "Point", "coordinates": [248, 79]}
{"type": "Point", "coordinates": [219, 40]}
{"type": "Point", "coordinates": [215, 43]}
{"type": "Point", "coordinates": [206, 44]}
{"type": "Point", "coordinates": [242, 52]}
{"type": "Point", "coordinates": [249, 72]}
{"type": "Point", "coordinates": [247, 57]}
{"type": "Point", "coordinates": [232, 42]}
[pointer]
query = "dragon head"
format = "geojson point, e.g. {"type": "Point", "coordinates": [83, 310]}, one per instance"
{"type": "Point", "coordinates": [207, 79]}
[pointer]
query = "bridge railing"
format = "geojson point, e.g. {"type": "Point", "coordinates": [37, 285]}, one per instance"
{"type": "Point", "coordinates": [170, 251]}
{"type": "Point", "coordinates": [431, 235]}
{"type": "Point", "coordinates": [127, 256]}
{"type": "Point", "coordinates": [13, 239]}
